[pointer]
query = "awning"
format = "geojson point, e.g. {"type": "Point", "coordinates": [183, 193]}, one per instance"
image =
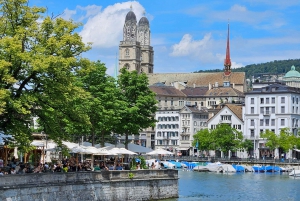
{"type": "Point", "coordinates": [182, 148]}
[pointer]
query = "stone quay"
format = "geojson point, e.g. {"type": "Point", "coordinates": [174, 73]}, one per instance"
{"type": "Point", "coordinates": [91, 186]}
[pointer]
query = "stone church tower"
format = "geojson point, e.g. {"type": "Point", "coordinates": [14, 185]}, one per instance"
{"type": "Point", "coordinates": [135, 52]}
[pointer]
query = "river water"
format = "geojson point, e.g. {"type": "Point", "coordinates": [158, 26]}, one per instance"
{"type": "Point", "coordinates": [194, 186]}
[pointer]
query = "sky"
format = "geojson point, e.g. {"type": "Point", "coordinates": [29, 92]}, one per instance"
{"type": "Point", "coordinates": [188, 36]}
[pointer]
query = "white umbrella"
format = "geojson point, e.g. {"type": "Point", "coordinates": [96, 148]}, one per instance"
{"type": "Point", "coordinates": [121, 151]}
{"type": "Point", "coordinates": [160, 152]}
{"type": "Point", "coordinates": [103, 151]}
{"type": "Point", "coordinates": [38, 143]}
{"type": "Point", "coordinates": [69, 145]}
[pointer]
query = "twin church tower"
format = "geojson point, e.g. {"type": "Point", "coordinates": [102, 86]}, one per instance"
{"type": "Point", "coordinates": [135, 52]}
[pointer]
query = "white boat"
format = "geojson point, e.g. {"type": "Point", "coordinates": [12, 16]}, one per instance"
{"type": "Point", "coordinates": [295, 173]}
{"type": "Point", "coordinates": [228, 168]}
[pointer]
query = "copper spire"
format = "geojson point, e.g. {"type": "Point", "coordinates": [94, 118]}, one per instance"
{"type": "Point", "coordinates": [227, 62]}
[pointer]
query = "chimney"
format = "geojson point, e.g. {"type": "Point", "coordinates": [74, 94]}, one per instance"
{"type": "Point", "coordinates": [209, 86]}
{"type": "Point", "coordinates": [194, 85]}
{"type": "Point", "coordinates": [216, 84]}
{"type": "Point", "coordinates": [233, 85]}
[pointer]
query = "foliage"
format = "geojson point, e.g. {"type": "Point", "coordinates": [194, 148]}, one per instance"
{"type": "Point", "coordinates": [130, 175]}
{"type": "Point", "coordinates": [224, 137]}
{"type": "Point", "coordinates": [204, 139]}
{"type": "Point", "coordinates": [39, 60]}
{"type": "Point", "coordinates": [102, 105]}
{"type": "Point", "coordinates": [138, 103]}
{"type": "Point", "coordinates": [272, 139]}
{"type": "Point", "coordinates": [227, 138]}
{"type": "Point", "coordinates": [248, 145]}
{"type": "Point", "coordinates": [143, 162]}
{"type": "Point", "coordinates": [133, 164]}
{"type": "Point", "coordinates": [286, 140]}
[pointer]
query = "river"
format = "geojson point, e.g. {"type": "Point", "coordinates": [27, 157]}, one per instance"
{"type": "Point", "coordinates": [195, 186]}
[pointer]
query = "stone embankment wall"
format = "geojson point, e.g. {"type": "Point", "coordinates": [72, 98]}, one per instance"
{"type": "Point", "coordinates": [85, 186]}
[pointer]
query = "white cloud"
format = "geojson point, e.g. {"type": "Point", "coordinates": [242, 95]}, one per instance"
{"type": "Point", "coordinates": [188, 46]}
{"type": "Point", "coordinates": [236, 65]}
{"type": "Point", "coordinates": [105, 28]}
{"type": "Point", "coordinates": [68, 14]}
{"type": "Point", "coordinates": [203, 51]}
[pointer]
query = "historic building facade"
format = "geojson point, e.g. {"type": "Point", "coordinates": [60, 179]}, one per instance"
{"type": "Point", "coordinates": [135, 51]}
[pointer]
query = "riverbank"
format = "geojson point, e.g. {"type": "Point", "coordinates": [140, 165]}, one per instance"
{"type": "Point", "coordinates": [91, 186]}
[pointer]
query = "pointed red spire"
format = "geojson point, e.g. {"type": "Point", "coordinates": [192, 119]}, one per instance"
{"type": "Point", "coordinates": [227, 62]}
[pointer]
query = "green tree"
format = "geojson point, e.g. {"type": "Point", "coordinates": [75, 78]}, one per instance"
{"type": "Point", "coordinates": [40, 58]}
{"type": "Point", "coordinates": [138, 103]}
{"type": "Point", "coordinates": [247, 145]}
{"type": "Point", "coordinates": [227, 138]}
{"type": "Point", "coordinates": [102, 104]}
{"type": "Point", "coordinates": [286, 140]}
{"type": "Point", "coordinates": [204, 139]}
{"type": "Point", "coordinates": [272, 140]}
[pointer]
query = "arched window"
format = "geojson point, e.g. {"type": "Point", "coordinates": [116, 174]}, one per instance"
{"type": "Point", "coordinates": [127, 66]}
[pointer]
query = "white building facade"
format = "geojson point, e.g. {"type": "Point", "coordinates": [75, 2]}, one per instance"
{"type": "Point", "coordinates": [273, 107]}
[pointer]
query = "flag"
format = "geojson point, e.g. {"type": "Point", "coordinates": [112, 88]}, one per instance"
{"type": "Point", "coordinates": [197, 144]}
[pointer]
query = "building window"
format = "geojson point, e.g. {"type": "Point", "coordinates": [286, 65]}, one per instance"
{"type": "Point", "coordinates": [252, 100]}
{"type": "Point", "coordinates": [293, 100]}
{"type": "Point", "coordinates": [252, 122]}
{"type": "Point", "coordinates": [261, 131]}
{"type": "Point", "coordinates": [261, 122]}
{"type": "Point", "coordinates": [282, 122]}
{"type": "Point", "coordinates": [267, 100]}
{"type": "Point", "coordinates": [181, 103]}
{"type": "Point", "coordinates": [282, 109]}
{"type": "Point", "coordinates": [261, 100]}
{"type": "Point", "coordinates": [239, 127]}
{"type": "Point", "coordinates": [273, 99]}
{"type": "Point", "coordinates": [273, 110]}
{"type": "Point", "coordinates": [252, 110]}
{"type": "Point", "coordinates": [126, 52]}
{"type": "Point", "coordinates": [282, 99]}
{"type": "Point", "coordinates": [251, 133]}
{"type": "Point", "coordinates": [261, 110]}
{"type": "Point", "coordinates": [267, 122]}
{"type": "Point", "coordinates": [272, 122]}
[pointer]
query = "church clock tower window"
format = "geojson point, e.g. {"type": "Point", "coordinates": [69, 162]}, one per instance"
{"type": "Point", "coordinates": [126, 53]}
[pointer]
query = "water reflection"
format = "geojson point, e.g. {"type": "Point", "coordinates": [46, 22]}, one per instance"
{"type": "Point", "coordinates": [239, 186]}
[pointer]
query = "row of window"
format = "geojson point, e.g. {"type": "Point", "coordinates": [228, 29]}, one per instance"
{"type": "Point", "coordinates": [236, 126]}
{"type": "Point", "coordinates": [167, 126]}
{"type": "Point", "coordinates": [266, 110]}
{"type": "Point", "coordinates": [167, 134]}
{"type": "Point", "coordinates": [267, 100]}
{"type": "Point", "coordinates": [167, 142]}
{"type": "Point", "coordinates": [266, 122]}
{"type": "Point", "coordinates": [168, 118]}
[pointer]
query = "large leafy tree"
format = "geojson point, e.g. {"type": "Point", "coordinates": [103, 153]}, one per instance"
{"type": "Point", "coordinates": [224, 138]}
{"type": "Point", "coordinates": [204, 140]}
{"type": "Point", "coordinates": [272, 140]}
{"type": "Point", "coordinates": [286, 140]}
{"type": "Point", "coordinates": [138, 103]}
{"type": "Point", "coordinates": [227, 138]}
{"type": "Point", "coordinates": [40, 58]}
{"type": "Point", "coordinates": [103, 104]}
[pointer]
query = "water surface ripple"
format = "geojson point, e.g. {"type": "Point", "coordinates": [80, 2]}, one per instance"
{"type": "Point", "coordinates": [205, 186]}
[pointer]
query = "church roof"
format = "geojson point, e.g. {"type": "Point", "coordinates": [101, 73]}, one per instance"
{"type": "Point", "coordinates": [130, 16]}
{"type": "Point", "coordinates": [143, 21]}
{"type": "Point", "coordinates": [292, 73]}
{"type": "Point", "coordinates": [224, 91]}
{"type": "Point", "coordinates": [199, 79]}
{"type": "Point", "coordinates": [166, 91]}
{"type": "Point", "coordinates": [194, 91]}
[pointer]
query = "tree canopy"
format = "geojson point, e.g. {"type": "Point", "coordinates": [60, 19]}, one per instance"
{"type": "Point", "coordinates": [40, 58]}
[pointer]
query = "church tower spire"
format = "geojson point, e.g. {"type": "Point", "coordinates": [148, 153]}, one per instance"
{"type": "Point", "coordinates": [227, 62]}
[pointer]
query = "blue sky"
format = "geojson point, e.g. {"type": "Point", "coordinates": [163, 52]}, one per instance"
{"type": "Point", "coordinates": [190, 35]}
